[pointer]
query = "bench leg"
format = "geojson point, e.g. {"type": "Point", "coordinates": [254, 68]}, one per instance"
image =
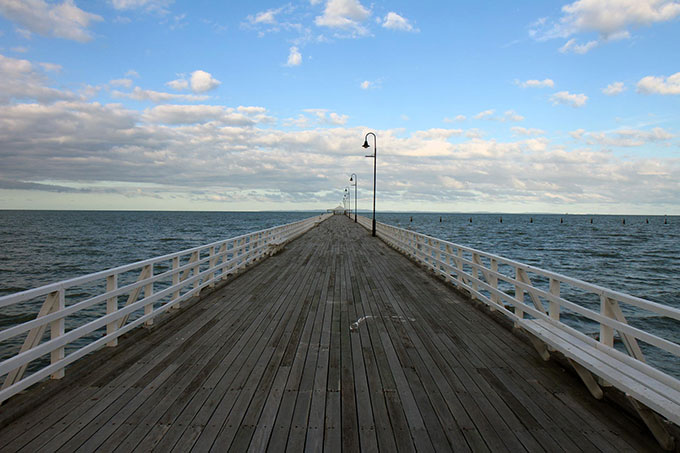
{"type": "Point", "coordinates": [654, 423]}
{"type": "Point", "coordinates": [540, 347]}
{"type": "Point", "coordinates": [588, 380]}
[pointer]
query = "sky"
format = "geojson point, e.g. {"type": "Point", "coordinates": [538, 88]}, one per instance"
{"type": "Point", "coordinates": [496, 106]}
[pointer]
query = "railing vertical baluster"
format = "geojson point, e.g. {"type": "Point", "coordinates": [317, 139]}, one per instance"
{"type": "Point", "coordinates": [148, 292]}
{"type": "Point", "coordinates": [475, 274]}
{"type": "Point", "coordinates": [175, 281]}
{"type": "Point", "coordinates": [196, 256]}
{"type": "Point", "coordinates": [112, 307]}
{"type": "Point", "coordinates": [554, 308]}
{"type": "Point", "coordinates": [606, 332]}
{"type": "Point", "coordinates": [459, 264]}
{"type": "Point", "coordinates": [234, 254]}
{"type": "Point", "coordinates": [519, 295]}
{"type": "Point", "coordinates": [57, 330]}
{"type": "Point", "coordinates": [213, 263]}
{"type": "Point", "coordinates": [493, 281]}
{"type": "Point", "coordinates": [223, 253]}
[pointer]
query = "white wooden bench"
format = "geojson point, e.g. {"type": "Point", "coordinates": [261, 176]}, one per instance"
{"type": "Point", "coordinates": [275, 246]}
{"type": "Point", "coordinates": [641, 382]}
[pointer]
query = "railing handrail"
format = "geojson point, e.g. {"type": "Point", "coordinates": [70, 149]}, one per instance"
{"type": "Point", "coordinates": [223, 258]}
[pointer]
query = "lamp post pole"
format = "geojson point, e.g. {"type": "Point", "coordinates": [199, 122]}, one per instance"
{"type": "Point", "coordinates": [375, 160]}
{"type": "Point", "coordinates": [348, 197]}
{"type": "Point", "coordinates": [354, 178]}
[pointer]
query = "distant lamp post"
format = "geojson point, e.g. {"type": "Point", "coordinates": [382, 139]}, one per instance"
{"type": "Point", "coordinates": [356, 181]}
{"type": "Point", "coordinates": [348, 197]}
{"type": "Point", "coordinates": [375, 159]}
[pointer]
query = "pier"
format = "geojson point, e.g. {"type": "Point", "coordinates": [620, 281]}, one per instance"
{"type": "Point", "coordinates": [337, 342]}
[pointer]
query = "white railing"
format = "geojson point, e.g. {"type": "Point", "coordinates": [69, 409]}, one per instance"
{"type": "Point", "coordinates": [78, 327]}
{"type": "Point", "coordinates": [503, 285]}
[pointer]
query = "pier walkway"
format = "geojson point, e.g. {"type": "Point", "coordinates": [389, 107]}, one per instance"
{"type": "Point", "coordinates": [337, 343]}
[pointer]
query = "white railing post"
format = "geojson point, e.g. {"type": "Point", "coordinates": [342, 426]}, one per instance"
{"type": "Point", "coordinates": [606, 332]}
{"type": "Point", "coordinates": [57, 330]}
{"type": "Point", "coordinates": [148, 292]}
{"type": "Point", "coordinates": [235, 254]}
{"type": "Point", "coordinates": [223, 253]}
{"type": "Point", "coordinates": [475, 274]}
{"type": "Point", "coordinates": [459, 264]}
{"type": "Point", "coordinates": [519, 295]}
{"type": "Point", "coordinates": [494, 282]}
{"type": "Point", "coordinates": [175, 281]}
{"type": "Point", "coordinates": [213, 263]}
{"type": "Point", "coordinates": [195, 257]}
{"type": "Point", "coordinates": [554, 308]}
{"type": "Point", "coordinates": [112, 307]}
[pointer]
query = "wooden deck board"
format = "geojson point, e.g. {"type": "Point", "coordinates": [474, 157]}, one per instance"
{"type": "Point", "coordinates": [270, 362]}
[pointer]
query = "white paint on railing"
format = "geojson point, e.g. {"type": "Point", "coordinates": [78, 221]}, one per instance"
{"type": "Point", "coordinates": [184, 281]}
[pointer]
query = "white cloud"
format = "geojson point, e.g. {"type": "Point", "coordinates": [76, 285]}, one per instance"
{"type": "Point", "coordinates": [251, 110]}
{"type": "Point", "coordinates": [577, 134]}
{"type": "Point", "coordinates": [484, 115]}
{"type": "Point", "coordinates": [159, 5]}
{"type": "Point", "coordinates": [365, 85]}
{"type": "Point", "coordinates": [614, 89]}
{"type": "Point", "coordinates": [629, 137]}
{"type": "Point", "coordinates": [178, 84]}
{"type": "Point", "coordinates": [455, 119]}
{"type": "Point", "coordinates": [533, 83]}
{"type": "Point", "coordinates": [565, 97]}
{"type": "Point", "coordinates": [51, 67]}
{"type": "Point", "coordinates": [61, 20]}
{"type": "Point", "coordinates": [345, 15]}
{"type": "Point", "coordinates": [26, 34]}
{"type": "Point", "coordinates": [125, 83]}
{"type": "Point", "coordinates": [324, 117]}
{"type": "Point", "coordinates": [660, 85]}
{"type": "Point", "coordinates": [21, 81]}
{"type": "Point", "coordinates": [202, 81]}
{"type": "Point", "coordinates": [573, 46]}
{"type": "Point", "coordinates": [157, 97]}
{"type": "Point", "coordinates": [611, 19]}
{"type": "Point", "coordinates": [294, 57]}
{"type": "Point", "coordinates": [265, 17]}
{"type": "Point", "coordinates": [334, 118]}
{"type": "Point", "coordinates": [394, 21]}
{"type": "Point", "coordinates": [528, 132]}
{"type": "Point", "coordinates": [132, 73]}
{"type": "Point", "coordinates": [174, 114]}
{"type": "Point", "coordinates": [508, 116]}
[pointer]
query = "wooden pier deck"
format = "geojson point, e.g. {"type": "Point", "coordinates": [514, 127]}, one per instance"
{"type": "Point", "coordinates": [338, 343]}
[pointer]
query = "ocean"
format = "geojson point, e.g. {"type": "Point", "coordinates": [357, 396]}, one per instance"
{"type": "Point", "coordinates": [640, 257]}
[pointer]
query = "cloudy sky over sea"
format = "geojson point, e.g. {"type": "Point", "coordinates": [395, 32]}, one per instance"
{"type": "Point", "coordinates": [508, 106]}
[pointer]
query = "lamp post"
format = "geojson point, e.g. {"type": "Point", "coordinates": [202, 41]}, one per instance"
{"type": "Point", "coordinates": [354, 178]}
{"type": "Point", "coordinates": [348, 197]}
{"type": "Point", "coordinates": [375, 160]}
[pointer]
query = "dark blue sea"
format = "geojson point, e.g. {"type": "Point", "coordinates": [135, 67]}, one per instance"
{"type": "Point", "coordinates": [639, 257]}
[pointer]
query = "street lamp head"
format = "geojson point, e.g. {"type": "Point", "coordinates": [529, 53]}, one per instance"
{"type": "Point", "coordinates": [366, 145]}
{"type": "Point", "coordinates": [351, 178]}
